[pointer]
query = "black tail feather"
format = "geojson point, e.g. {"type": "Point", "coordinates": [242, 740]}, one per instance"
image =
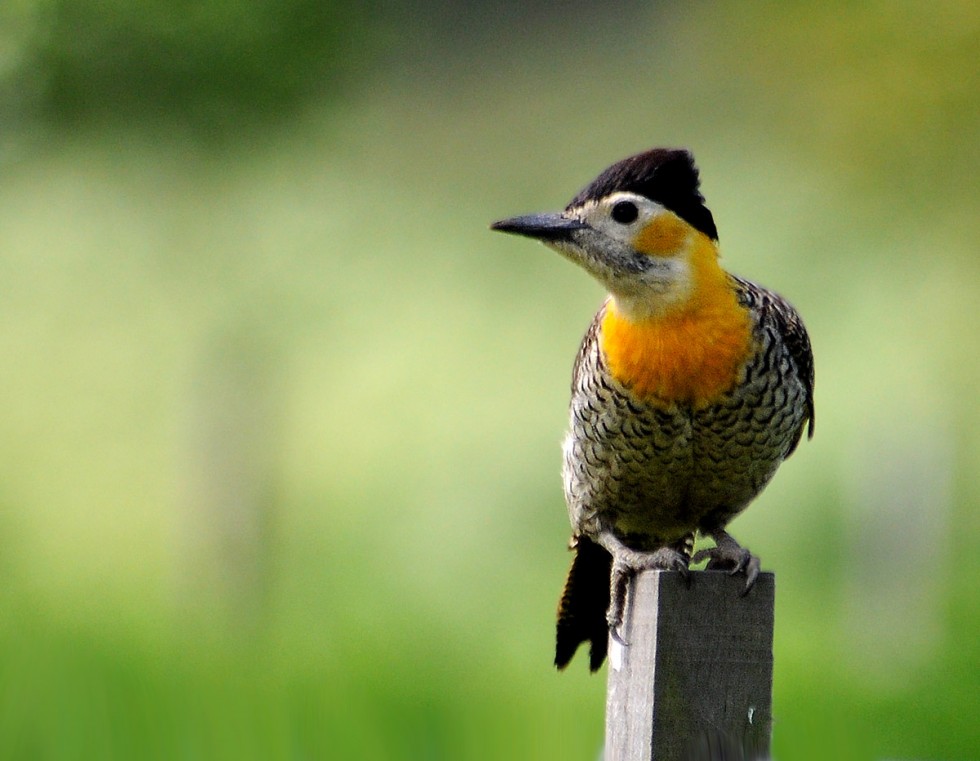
{"type": "Point", "coordinates": [583, 605]}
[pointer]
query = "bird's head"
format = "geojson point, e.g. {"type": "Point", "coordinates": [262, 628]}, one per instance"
{"type": "Point", "coordinates": [640, 228]}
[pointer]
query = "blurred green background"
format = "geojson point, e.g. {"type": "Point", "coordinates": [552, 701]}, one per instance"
{"type": "Point", "coordinates": [281, 418]}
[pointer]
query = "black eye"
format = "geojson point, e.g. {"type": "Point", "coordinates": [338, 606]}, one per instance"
{"type": "Point", "coordinates": [625, 212]}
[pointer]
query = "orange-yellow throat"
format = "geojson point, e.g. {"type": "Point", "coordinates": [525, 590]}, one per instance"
{"type": "Point", "coordinates": [689, 355]}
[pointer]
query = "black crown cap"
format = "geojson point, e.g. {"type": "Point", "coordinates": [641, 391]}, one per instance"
{"type": "Point", "coordinates": [665, 175]}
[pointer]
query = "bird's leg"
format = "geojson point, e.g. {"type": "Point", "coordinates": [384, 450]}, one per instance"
{"type": "Point", "coordinates": [618, 584]}
{"type": "Point", "coordinates": [626, 563]}
{"type": "Point", "coordinates": [729, 555]}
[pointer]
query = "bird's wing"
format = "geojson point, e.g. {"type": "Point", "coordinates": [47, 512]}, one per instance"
{"type": "Point", "coordinates": [777, 312]}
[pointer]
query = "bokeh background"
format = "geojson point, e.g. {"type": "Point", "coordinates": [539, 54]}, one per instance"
{"type": "Point", "coordinates": [281, 418]}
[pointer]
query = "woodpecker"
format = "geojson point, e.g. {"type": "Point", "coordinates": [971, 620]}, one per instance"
{"type": "Point", "coordinates": [690, 388]}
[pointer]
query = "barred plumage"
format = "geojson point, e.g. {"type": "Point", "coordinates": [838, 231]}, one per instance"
{"type": "Point", "coordinates": [690, 388]}
{"type": "Point", "coordinates": [653, 473]}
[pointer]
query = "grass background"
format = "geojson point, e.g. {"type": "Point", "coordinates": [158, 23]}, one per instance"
{"type": "Point", "coordinates": [279, 472]}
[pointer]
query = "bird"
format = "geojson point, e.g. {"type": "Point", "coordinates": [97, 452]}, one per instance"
{"type": "Point", "coordinates": [691, 386]}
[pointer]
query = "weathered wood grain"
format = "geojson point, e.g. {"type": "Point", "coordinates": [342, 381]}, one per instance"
{"type": "Point", "coordinates": [695, 680]}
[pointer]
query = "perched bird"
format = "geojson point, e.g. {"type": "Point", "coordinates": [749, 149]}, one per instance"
{"type": "Point", "coordinates": [690, 388]}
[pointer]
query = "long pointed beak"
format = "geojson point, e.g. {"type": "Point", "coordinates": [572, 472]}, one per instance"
{"type": "Point", "coordinates": [547, 227]}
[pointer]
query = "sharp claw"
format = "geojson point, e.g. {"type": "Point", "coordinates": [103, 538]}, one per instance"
{"type": "Point", "coordinates": [727, 555]}
{"type": "Point", "coordinates": [626, 563]}
{"type": "Point", "coordinates": [740, 564]}
{"type": "Point", "coordinates": [752, 569]}
{"type": "Point", "coordinates": [617, 637]}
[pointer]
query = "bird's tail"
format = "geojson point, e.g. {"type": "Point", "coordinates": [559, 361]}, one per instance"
{"type": "Point", "coordinates": [583, 604]}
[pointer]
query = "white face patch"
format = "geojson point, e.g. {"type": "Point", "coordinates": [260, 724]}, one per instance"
{"type": "Point", "coordinates": [605, 214]}
{"type": "Point", "coordinates": [642, 285]}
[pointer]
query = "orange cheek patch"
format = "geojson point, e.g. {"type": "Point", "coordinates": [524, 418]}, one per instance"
{"type": "Point", "coordinates": [665, 234]}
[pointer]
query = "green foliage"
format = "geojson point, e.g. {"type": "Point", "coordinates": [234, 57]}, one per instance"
{"type": "Point", "coordinates": [214, 66]}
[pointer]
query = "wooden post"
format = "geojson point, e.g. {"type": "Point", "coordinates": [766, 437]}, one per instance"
{"type": "Point", "coordinates": [694, 682]}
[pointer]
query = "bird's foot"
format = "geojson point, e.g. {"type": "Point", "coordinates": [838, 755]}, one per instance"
{"type": "Point", "coordinates": [729, 555]}
{"type": "Point", "coordinates": [626, 564]}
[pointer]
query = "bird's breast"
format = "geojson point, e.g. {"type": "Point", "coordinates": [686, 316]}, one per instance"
{"type": "Point", "coordinates": [689, 356]}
